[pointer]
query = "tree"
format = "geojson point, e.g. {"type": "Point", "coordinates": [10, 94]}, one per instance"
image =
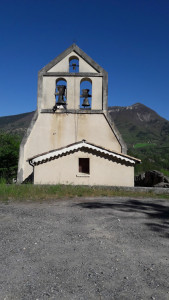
{"type": "Point", "coordinates": [9, 153]}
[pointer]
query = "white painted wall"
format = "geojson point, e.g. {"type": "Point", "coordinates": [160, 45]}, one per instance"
{"type": "Point", "coordinates": [52, 131]}
{"type": "Point", "coordinates": [64, 170]}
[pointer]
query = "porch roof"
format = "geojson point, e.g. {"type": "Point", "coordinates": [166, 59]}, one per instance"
{"type": "Point", "coordinates": [82, 146]}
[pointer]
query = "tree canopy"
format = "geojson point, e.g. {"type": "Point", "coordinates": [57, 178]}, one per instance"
{"type": "Point", "coordinates": [9, 153]}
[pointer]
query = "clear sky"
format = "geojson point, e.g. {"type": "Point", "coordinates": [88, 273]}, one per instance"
{"type": "Point", "coordinates": [129, 39]}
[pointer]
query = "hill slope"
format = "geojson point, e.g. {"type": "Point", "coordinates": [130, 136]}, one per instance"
{"type": "Point", "coordinates": [146, 135]}
{"type": "Point", "coordinates": [144, 131]}
{"type": "Point", "coordinates": [16, 124]}
{"type": "Point", "coordinates": [139, 124]}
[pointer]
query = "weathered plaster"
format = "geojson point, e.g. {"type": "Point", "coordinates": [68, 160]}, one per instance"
{"type": "Point", "coordinates": [52, 131]}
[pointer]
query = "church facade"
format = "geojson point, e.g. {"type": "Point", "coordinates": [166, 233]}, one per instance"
{"type": "Point", "coordinates": [71, 139]}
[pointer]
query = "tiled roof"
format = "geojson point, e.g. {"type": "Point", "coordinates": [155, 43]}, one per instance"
{"type": "Point", "coordinates": [44, 157]}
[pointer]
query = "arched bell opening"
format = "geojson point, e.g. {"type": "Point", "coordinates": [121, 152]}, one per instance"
{"type": "Point", "coordinates": [85, 93]}
{"type": "Point", "coordinates": [60, 93]}
{"type": "Point", "coordinates": [73, 64]}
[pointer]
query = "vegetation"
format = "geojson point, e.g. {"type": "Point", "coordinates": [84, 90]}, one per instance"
{"type": "Point", "coordinates": [165, 172]}
{"type": "Point", "coordinates": [28, 192]}
{"type": "Point", "coordinates": [153, 158]}
{"type": "Point", "coordinates": [9, 152]}
{"type": "Point", "coordinates": [141, 145]}
{"type": "Point", "coordinates": [146, 135]}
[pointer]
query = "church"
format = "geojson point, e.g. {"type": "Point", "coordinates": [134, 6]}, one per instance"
{"type": "Point", "coordinates": [71, 138]}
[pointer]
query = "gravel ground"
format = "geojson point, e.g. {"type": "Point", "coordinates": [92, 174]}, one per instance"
{"type": "Point", "coordinates": [87, 248]}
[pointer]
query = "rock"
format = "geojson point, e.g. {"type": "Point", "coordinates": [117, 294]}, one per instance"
{"type": "Point", "coordinates": [166, 179]}
{"type": "Point", "coordinates": [152, 179]}
{"type": "Point", "coordinates": [162, 185]}
{"type": "Point", "coordinates": [139, 179]}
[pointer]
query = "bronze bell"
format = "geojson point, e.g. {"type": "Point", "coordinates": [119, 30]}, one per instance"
{"type": "Point", "coordinates": [86, 102]}
{"type": "Point", "coordinates": [85, 95]}
{"type": "Point", "coordinates": [61, 94]}
{"type": "Point", "coordinates": [74, 66]}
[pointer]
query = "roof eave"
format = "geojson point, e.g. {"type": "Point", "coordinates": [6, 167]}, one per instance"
{"type": "Point", "coordinates": [79, 146]}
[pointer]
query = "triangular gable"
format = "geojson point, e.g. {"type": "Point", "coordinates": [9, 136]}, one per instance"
{"type": "Point", "coordinates": [73, 48]}
{"type": "Point", "coordinates": [80, 146]}
{"type": "Point", "coordinates": [63, 65]}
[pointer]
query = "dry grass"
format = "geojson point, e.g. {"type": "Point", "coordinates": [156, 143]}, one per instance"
{"type": "Point", "coordinates": [24, 192]}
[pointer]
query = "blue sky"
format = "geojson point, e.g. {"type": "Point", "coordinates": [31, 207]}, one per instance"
{"type": "Point", "coordinates": [129, 39]}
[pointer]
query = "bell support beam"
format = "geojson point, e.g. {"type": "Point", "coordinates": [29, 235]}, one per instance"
{"type": "Point", "coordinates": [73, 74]}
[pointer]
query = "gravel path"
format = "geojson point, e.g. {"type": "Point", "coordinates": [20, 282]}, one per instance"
{"type": "Point", "coordinates": [87, 248]}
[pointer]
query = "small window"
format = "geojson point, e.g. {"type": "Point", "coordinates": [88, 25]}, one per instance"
{"type": "Point", "coordinates": [84, 165]}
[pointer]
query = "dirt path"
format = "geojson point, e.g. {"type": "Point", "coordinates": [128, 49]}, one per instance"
{"type": "Point", "coordinates": [100, 248]}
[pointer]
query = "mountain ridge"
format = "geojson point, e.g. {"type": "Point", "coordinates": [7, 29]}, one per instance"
{"type": "Point", "coordinates": [139, 123]}
{"type": "Point", "coordinates": [16, 124]}
{"type": "Point", "coordinates": [136, 106]}
{"type": "Point", "coordinates": [141, 113]}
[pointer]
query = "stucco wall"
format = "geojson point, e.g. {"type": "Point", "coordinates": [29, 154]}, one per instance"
{"type": "Point", "coordinates": [52, 131]}
{"type": "Point", "coordinates": [64, 170]}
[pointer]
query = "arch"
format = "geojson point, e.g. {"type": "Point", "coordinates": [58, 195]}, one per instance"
{"type": "Point", "coordinates": [86, 95]}
{"type": "Point", "coordinates": [61, 82]}
{"type": "Point", "coordinates": [85, 79]}
{"type": "Point", "coordinates": [73, 64]}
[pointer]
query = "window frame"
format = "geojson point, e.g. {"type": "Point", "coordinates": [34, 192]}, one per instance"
{"type": "Point", "coordinates": [84, 165]}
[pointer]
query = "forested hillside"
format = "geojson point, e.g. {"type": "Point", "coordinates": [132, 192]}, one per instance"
{"type": "Point", "coordinates": [146, 135]}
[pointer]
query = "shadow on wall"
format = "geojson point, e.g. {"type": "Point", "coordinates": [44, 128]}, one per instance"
{"type": "Point", "coordinates": [29, 179]}
{"type": "Point", "coordinates": [157, 212]}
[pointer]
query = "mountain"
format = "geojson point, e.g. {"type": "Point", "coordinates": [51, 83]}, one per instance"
{"type": "Point", "coordinates": [139, 124]}
{"type": "Point", "coordinates": [16, 124]}
{"type": "Point", "coordinates": [144, 131]}
{"type": "Point", "coordinates": [146, 135]}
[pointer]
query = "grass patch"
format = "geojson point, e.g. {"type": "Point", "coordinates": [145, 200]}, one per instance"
{"type": "Point", "coordinates": [165, 172]}
{"type": "Point", "coordinates": [29, 192]}
{"type": "Point", "coordinates": [142, 145]}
